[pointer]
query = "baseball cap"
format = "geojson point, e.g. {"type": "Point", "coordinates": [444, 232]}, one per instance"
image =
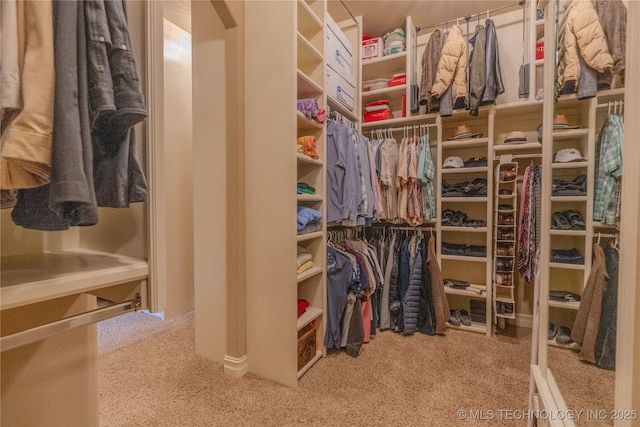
{"type": "Point", "coordinates": [452, 162]}
{"type": "Point", "coordinates": [567, 155]}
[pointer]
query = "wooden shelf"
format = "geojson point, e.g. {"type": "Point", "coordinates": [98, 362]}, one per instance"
{"type": "Point", "coordinates": [566, 266]}
{"type": "Point", "coordinates": [384, 67]}
{"type": "Point", "coordinates": [570, 165]}
{"type": "Point", "coordinates": [410, 120]}
{"type": "Point", "coordinates": [482, 199]}
{"type": "Point", "coordinates": [572, 346]}
{"type": "Point", "coordinates": [309, 315]}
{"type": "Point", "coordinates": [307, 88]}
{"type": "Point", "coordinates": [307, 124]}
{"type": "Point", "coordinates": [570, 305]}
{"type": "Point", "coordinates": [574, 233]}
{"type": "Point", "coordinates": [463, 258]}
{"type": "Point", "coordinates": [568, 198]}
{"type": "Point", "coordinates": [465, 143]}
{"type": "Point", "coordinates": [28, 279]}
{"type": "Point", "coordinates": [308, 21]}
{"type": "Point", "coordinates": [313, 271]}
{"type": "Point", "coordinates": [309, 197]}
{"type": "Point", "coordinates": [307, 53]}
{"type": "Point", "coordinates": [467, 292]}
{"type": "Point", "coordinates": [464, 229]}
{"type": "Point", "coordinates": [337, 105]}
{"type": "Point", "coordinates": [475, 327]}
{"type": "Point", "coordinates": [306, 367]}
{"type": "Point", "coordinates": [387, 90]}
{"type": "Point", "coordinates": [306, 159]}
{"type": "Point", "coordinates": [559, 135]}
{"type": "Point", "coordinates": [536, 146]}
{"type": "Point", "coordinates": [471, 170]}
{"type": "Point", "coordinates": [309, 236]}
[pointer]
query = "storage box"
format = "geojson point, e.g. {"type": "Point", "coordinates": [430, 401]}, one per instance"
{"type": "Point", "coordinates": [307, 346]}
{"type": "Point", "coordinates": [338, 50]}
{"type": "Point", "coordinates": [398, 80]}
{"type": "Point", "coordinates": [540, 50]}
{"type": "Point", "coordinates": [340, 88]}
{"type": "Point", "coordinates": [478, 310]}
{"type": "Point", "coordinates": [374, 84]}
{"type": "Point", "coordinates": [372, 48]}
{"type": "Point", "coordinates": [374, 116]}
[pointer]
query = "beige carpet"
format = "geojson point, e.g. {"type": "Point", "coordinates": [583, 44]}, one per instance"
{"type": "Point", "coordinates": [150, 376]}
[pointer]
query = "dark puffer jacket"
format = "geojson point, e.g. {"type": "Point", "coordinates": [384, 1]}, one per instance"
{"type": "Point", "coordinates": [394, 286]}
{"type": "Point", "coordinates": [411, 298]}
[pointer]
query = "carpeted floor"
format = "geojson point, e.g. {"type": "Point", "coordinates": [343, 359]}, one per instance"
{"type": "Point", "coordinates": [150, 376]}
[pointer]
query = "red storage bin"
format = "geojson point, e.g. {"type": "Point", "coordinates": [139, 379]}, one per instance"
{"type": "Point", "coordinates": [540, 50]}
{"type": "Point", "coordinates": [397, 80]}
{"type": "Point", "coordinates": [374, 116]}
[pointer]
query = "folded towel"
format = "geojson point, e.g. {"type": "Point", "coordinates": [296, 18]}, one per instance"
{"type": "Point", "coordinates": [303, 255]}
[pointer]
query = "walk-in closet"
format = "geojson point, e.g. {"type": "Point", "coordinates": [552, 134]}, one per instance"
{"type": "Point", "coordinates": [309, 184]}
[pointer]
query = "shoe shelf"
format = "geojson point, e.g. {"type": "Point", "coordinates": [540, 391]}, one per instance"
{"type": "Point", "coordinates": [470, 170]}
{"type": "Point", "coordinates": [566, 266]}
{"type": "Point", "coordinates": [464, 229]}
{"type": "Point", "coordinates": [481, 199]}
{"type": "Point", "coordinates": [572, 346]}
{"type": "Point", "coordinates": [309, 273]}
{"type": "Point", "coordinates": [464, 258]}
{"type": "Point", "coordinates": [571, 305]}
{"type": "Point", "coordinates": [504, 250]}
{"type": "Point", "coordinates": [475, 327]}
{"type": "Point", "coordinates": [474, 291]}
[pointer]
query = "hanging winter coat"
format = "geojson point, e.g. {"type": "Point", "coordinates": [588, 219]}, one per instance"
{"type": "Point", "coordinates": [452, 69]}
{"type": "Point", "coordinates": [580, 35]}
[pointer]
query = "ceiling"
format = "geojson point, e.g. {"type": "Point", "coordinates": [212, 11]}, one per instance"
{"type": "Point", "coordinates": [380, 16]}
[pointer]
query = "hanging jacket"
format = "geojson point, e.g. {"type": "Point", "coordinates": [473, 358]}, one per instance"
{"type": "Point", "coordinates": [585, 327]}
{"type": "Point", "coordinates": [439, 298]}
{"type": "Point", "coordinates": [25, 160]}
{"type": "Point", "coordinates": [430, 59]}
{"type": "Point", "coordinates": [426, 312]}
{"type": "Point", "coordinates": [411, 298]}
{"type": "Point", "coordinates": [394, 285]}
{"type": "Point", "coordinates": [613, 18]}
{"type": "Point", "coordinates": [452, 68]}
{"type": "Point", "coordinates": [493, 85]}
{"type": "Point", "coordinates": [580, 34]}
{"type": "Point", "coordinates": [477, 69]}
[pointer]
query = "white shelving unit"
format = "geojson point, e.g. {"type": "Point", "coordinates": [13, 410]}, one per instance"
{"type": "Point", "coordinates": [505, 224]}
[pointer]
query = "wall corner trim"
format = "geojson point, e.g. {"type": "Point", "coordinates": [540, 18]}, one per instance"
{"type": "Point", "coordinates": [236, 367]}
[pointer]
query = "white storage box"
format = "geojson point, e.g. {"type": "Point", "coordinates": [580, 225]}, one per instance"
{"type": "Point", "coordinates": [374, 84]}
{"type": "Point", "coordinates": [372, 48]}
{"type": "Point", "coordinates": [340, 88]}
{"type": "Point", "coordinates": [338, 50]}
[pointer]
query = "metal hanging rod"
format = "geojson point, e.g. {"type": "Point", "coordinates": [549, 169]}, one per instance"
{"type": "Point", "coordinates": [468, 17]}
{"type": "Point", "coordinates": [520, 156]}
{"type": "Point", "coordinates": [407, 127]}
{"type": "Point", "coordinates": [349, 12]}
{"type": "Point", "coordinates": [44, 331]}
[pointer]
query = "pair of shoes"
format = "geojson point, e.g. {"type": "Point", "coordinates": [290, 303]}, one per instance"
{"type": "Point", "coordinates": [563, 335]}
{"type": "Point", "coordinates": [504, 250]}
{"type": "Point", "coordinates": [564, 296]}
{"type": "Point", "coordinates": [504, 265]}
{"type": "Point", "coordinates": [506, 235]}
{"type": "Point", "coordinates": [552, 331]}
{"type": "Point", "coordinates": [455, 283]}
{"type": "Point", "coordinates": [504, 307]}
{"type": "Point", "coordinates": [503, 279]}
{"type": "Point", "coordinates": [505, 219]}
{"type": "Point", "coordinates": [460, 316]}
{"type": "Point", "coordinates": [507, 176]}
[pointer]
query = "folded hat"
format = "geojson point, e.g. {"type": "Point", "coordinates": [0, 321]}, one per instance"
{"type": "Point", "coordinates": [452, 162]}
{"type": "Point", "coordinates": [463, 132]}
{"type": "Point", "coordinates": [515, 137]}
{"type": "Point", "coordinates": [560, 122]}
{"type": "Point", "coordinates": [567, 155]}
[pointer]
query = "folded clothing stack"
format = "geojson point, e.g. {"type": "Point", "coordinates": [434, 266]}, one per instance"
{"type": "Point", "coordinates": [567, 220]}
{"type": "Point", "coordinates": [309, 107]}
{"type": "Point", "coordinates": [308, 220]}
{"type": "Point", "coordinates": [304, 260]}
{"type": "Point", "coordinates": [394, 41]}
{"type": "Point", "coordinates": [463, 250]}
{"type": "Point", "coordinates": [304, 188]}
{"type": "Point", "coordinates": [475, 188]}
{"type": "Point", "coordinates": [567, 256]}
{"type": "Point", "coordinates": [575, 187]}
{"type": "Point", "coordinates": [307, 145]}
{"type": "Point", "coordinates": [459, 219]}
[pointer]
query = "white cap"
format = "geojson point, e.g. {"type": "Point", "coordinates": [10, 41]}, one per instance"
{"type": "Point", "coordinates": [453, 162]}
{"type": "Point", "coordinates": [567, 155]}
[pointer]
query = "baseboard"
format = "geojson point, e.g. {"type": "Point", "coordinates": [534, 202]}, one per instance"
{"type": "Point", "coordinates": [522, 320]}
{"type": "Point", "coordinates": [236, 367]}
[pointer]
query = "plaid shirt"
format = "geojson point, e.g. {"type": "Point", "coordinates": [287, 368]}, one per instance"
{"type": "Point", "coordinates": [608, 168]}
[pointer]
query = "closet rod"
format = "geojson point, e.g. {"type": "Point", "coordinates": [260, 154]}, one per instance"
{"type": "Point", "coordinates": [349, 12]}
{"type": "Point", "coordinates": [468, 17]}
{"type": "Point", "coordinates": [521, 156]}
{"type": "Point", "coordinates": [408, 127]}
{"type": "Point", "coordinates": [605, 235]}
{"type": "Point", "coordinates": [44, 331]}
{"type": "Point", "coordinates": [608, 104]}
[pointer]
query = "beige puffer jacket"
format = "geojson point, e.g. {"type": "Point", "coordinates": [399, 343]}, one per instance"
{"type": "Point", "coordinates": [581, 34]}
{"type": "Point", "coordinates": [452, 67]}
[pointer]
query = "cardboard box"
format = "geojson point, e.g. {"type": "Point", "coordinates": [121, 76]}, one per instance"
{"type": "Point", "coordinates": [340, 88]}
{"type": "Point", "coordinates": [372, 48]}
{"type": "Point", "coordinates": [307, 345]}
{"type": "Point", "coordinates": [338, 50]}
